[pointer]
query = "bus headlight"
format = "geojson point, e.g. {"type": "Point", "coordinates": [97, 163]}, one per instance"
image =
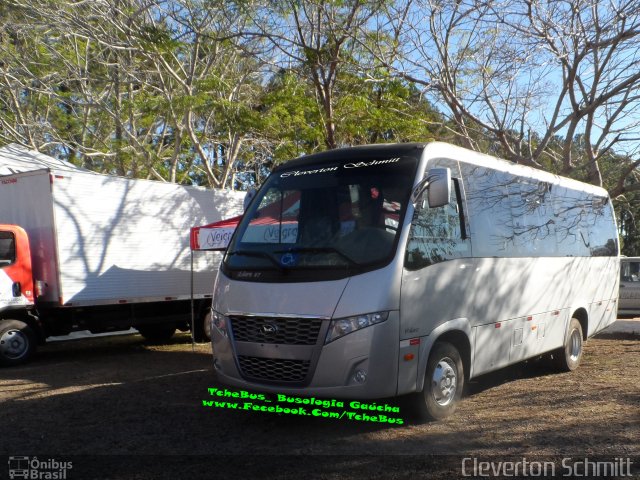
{"type": "Point", "coordinates": [343, 326]}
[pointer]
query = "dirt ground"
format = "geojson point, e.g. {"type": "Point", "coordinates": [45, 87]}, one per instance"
{"type": "Point", "coordinates": [119, 408]}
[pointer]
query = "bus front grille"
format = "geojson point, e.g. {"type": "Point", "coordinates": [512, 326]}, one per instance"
{"type": "Point", "coordinates": [273, 369]}
{"type": "Point", "coordinates": [273, 330]}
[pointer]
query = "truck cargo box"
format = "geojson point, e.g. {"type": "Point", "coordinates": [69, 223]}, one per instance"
{"type": "Point", "coordinates": [99, 240]}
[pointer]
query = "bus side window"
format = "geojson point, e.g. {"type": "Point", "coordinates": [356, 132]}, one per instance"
{"type": "Point", "coordinates": [532, 219]}
{"type": "Point", "coordinates": [489, 205]}
{"type": "Point", "coordinates": [604, 238]}
{"type": "Point", "coordinates": [436, 234]}
{"type": "Point", "coordinates": [571, 222]}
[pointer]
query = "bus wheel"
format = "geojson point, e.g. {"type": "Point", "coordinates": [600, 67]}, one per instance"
{"type": "Point", "coordinates": [17, 342]}
{"type": "Point", "coordinates": [568, 357]}
{"type": "Point", "coordinates": [443, 383]}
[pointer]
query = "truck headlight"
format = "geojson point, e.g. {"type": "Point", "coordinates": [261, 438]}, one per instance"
{"type": "Point", "coordinates": [343, 326]}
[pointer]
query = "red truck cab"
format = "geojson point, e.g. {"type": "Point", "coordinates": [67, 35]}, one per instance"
{"type": "Point", "coordinates": [17, 338]}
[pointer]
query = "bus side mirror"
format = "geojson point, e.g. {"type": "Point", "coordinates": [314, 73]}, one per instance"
{"type": "Point", "coordinates": [438, 186]}
{"type": "Point", "coordinates": [439, 193]}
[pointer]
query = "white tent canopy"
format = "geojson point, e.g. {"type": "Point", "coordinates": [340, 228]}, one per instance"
{"type": "Point", "coordinates": [15, 158]}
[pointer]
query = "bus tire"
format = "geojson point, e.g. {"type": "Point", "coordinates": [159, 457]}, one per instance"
{"type": "Point", "coordinates": [157, 333]}
{"type": "Point", "coordinates": [443, 383]}
{"type": "Point", "coordinates": [17, 342]}
{"type": "Point", "coordinates": [569, 356]}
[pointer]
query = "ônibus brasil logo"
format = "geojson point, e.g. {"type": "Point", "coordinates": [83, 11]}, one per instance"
{"type": "Point", "coordinates": [38, 469]}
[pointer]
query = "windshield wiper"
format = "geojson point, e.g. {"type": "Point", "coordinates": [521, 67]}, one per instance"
{"type": "Point", "coordinates": [320, 250]}
{"type": "Point", "coordinates": [251, 253]}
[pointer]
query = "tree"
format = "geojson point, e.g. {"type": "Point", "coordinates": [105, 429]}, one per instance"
{"type": "Point", "coordinates": [531, 76]}
{"type": "Point", "coordinates": [163, 89]}
{"type": "Point", "coordinates": [319, 37]}
{"type": "Point", "coordinates": [29, 78]}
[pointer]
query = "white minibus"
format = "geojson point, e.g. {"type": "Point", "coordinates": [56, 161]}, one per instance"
{"type": "Point", "coordinates": [384, 270]}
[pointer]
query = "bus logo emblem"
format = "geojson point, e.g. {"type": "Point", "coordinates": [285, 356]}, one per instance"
{"type": "Point", "coordinates": [269, 329]}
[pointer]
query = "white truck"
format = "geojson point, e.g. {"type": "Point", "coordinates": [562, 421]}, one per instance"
{"type": "Point", "coordinates": [83, 251]}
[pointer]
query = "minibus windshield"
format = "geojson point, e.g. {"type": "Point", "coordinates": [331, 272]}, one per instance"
{"type": "Point", "coordinates": [323, 221]}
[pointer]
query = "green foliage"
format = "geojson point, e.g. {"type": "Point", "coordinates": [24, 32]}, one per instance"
{"type": "Point", "coordinates": [186, 91]}
{"type": "Point", "coordinates": [383, 111]}
{"type": "Point", "coordinates": [291, 121]}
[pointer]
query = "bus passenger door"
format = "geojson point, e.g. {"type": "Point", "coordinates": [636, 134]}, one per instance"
{"type": "Point", "coordinates": [437, 266]}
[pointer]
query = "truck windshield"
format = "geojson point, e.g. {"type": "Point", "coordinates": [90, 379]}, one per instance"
{"type": "Point", "coordinates": [324, 221]}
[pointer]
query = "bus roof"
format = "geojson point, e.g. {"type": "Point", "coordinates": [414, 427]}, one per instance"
{"type": "Point", "coordinates": [438, 150]}
{"type": "Point", "coordinates": [354, 153]}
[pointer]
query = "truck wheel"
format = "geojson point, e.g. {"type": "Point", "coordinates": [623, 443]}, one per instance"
{"type": "Point", "coordinates": [17, 342]}
{"type": "Point", "coordinates": [443, 383]}
{"type": "Point", "coordinates": [202, 327]}
{"type": "Point", "coordinates": [157, 333]}
{"type": "Point", "coordinates": [206, 327]}
{"type": "Point", "coordinates": [568, 357]}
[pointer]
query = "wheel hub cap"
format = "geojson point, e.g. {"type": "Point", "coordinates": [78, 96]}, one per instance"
{"type": "Point", "coordinates": [13, 344]}
{"type": "Point", "coordinates": [444, 382]}
{"type": "Point", "coordinates": [575, 345]}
